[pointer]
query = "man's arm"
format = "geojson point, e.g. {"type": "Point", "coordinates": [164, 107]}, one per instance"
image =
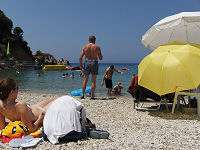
{"type": "Point", "coordinates": [80, 59]}
{"type": "Point", "coordinates": [99, 54]}
{"type": "Point", "coordinates": [118, 71]}
{"type": "Point", "coordinates": [102, 82]}
{"type": "Point", "coordinates": [22, 109]}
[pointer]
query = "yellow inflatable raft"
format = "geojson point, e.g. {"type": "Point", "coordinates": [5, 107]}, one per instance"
{"type": "Point", "coordinates": [54, 67]}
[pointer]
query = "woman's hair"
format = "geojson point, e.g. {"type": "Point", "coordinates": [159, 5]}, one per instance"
{"type": "Point", "coordinates": [6, 85]}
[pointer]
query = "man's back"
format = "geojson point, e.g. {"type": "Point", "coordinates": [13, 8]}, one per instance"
{"type": "Point", "coordinates": [92, 51]}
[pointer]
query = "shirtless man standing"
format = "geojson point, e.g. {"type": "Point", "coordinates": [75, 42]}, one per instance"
{"type": "Point", "coordinates": [91, 52]}
{"type": "Point", "coordinates": [108, 78]}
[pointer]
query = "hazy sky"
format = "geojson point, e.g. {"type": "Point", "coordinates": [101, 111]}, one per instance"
{"type": "Point", "coordinates": [62, 27]}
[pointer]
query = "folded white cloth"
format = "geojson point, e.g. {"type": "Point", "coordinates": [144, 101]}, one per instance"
{"type": "Point", "coordinates": [62, 117]}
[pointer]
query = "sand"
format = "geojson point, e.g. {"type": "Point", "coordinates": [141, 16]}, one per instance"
{"type": "Point", "coordinates": [128, 128]}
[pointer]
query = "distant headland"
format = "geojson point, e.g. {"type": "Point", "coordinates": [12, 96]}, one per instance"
{"type": "Point", "coordinates": [14, 50]}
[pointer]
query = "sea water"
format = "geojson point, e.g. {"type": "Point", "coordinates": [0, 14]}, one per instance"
{"type": "Point", "coordinates": [51, 82]}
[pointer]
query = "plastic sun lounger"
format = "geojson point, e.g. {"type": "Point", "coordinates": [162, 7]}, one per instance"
{"type": "Point", "coordinates": [143, 96]}
{"type": "Point", "coordinates": [139, 105]}
{"type": "Point", "coordinates": [146, 96]}
{"type": "Point", "coordinates": [177, 98]}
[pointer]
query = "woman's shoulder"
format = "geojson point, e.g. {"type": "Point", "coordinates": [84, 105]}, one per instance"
{"type": "Point", "coordinates": [20, 106]}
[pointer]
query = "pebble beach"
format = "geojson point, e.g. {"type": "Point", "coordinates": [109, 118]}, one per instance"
{"type": "Point", "coordinates": [129, 129]}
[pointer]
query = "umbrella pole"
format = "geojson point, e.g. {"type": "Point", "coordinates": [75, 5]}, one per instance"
{"type": "Point", "coordinates": [175, 101]}
{"type": "Point", "coordinates": [166, 105]}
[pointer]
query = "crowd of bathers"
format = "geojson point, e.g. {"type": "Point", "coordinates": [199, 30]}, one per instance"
{"type": "Point", "coordinates": [64, 75]}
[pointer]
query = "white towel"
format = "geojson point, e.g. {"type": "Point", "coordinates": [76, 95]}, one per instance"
{"type": "Point", "coordinates": [62, 117]}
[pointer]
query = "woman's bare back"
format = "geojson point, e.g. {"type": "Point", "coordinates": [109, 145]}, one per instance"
{"type": "Point", "coordinates": [11, 112]}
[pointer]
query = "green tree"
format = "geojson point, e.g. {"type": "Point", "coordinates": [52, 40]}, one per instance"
{"type": "Point", "coordinates": [6, 25]}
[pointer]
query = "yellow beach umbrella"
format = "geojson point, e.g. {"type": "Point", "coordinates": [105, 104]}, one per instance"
{"type": "Point", "coordinates": [171, 67]}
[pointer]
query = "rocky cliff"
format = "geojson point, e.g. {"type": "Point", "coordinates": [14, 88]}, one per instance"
{"type": "Point", "coordinates": [19, 49]}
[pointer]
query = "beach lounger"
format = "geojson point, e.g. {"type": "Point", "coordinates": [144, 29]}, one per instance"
{"type": "Point", "coordinates": [180, 96]}
{"type": "Point", "coordinates": [142, 95]}
{"type": "Point", "coordinates": [146, 96]}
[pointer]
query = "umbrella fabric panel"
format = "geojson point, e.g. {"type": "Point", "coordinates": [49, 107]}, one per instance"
{"type": "Point", "coordinates": [189, 33]}
{"type": "Point", "coordinates": [157, 38]}
{"type": "Point", "coordinates": [171, 67]}
{"type": "Point", "coordinates": [149, 74]}
{"type": "Point", "coordinates": [187, 16]}
{"type": "Point", "coordinates": [177, 74]}
{"type": "Point", "coordinates": [184, 27]}
{"type": "Point", "coordinates": [160, 74]}
{"type": "Point", "coordinates": [193, 31]}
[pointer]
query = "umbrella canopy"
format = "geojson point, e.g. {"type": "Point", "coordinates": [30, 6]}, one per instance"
{"type": "Point", "coordinates": [184, 27]}
{"type": "Point", "coordinates": [171, 67]}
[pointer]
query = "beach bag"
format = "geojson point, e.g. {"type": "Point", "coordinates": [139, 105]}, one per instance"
{"type": "Point", "coordinates": [99, 134]}
{"type": "Point", "coordinates": [193, 102]}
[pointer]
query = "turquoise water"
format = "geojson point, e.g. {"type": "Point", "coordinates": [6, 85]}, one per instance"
{"type": "Point", "coordinates": [51, 82]}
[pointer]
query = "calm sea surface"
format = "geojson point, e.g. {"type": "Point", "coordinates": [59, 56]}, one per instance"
{"type": "Point", "coordinates": [51, 82]}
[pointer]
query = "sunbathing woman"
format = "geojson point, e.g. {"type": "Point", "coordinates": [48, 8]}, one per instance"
{"type": "Point", "coordinates": [57, 118]}
{"type": "Point", "coordinates": [31, 116]}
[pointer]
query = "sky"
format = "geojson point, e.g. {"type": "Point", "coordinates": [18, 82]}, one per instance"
{"type": "Point", "coordinates": [62, 27]}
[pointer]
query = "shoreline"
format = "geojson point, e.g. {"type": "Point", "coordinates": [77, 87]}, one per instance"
{"type": "Point", "coordinates": [128, 128]}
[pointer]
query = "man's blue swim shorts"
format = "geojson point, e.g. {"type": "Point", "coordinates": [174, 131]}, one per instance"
{"type": "Point", "coordinates": [90, 67]}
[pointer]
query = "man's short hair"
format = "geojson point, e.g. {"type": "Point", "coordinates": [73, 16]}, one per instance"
{"type": "Point", "coordinates": [92, 38]}
{"type": "Point", "coordinates": [112, 67]}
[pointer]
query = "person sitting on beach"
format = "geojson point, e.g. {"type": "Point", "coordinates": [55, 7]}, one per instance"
{"type": "Point", "coordinates": [108, 77]}
{"type": "Point", "coordinates": [64, 112]}
{"type": "Point", "coordinates": [133, 87]}
{"type": "Point", "coordinates": [72, 76]}
{"type": "Point", "coordinates": [117, 88]}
